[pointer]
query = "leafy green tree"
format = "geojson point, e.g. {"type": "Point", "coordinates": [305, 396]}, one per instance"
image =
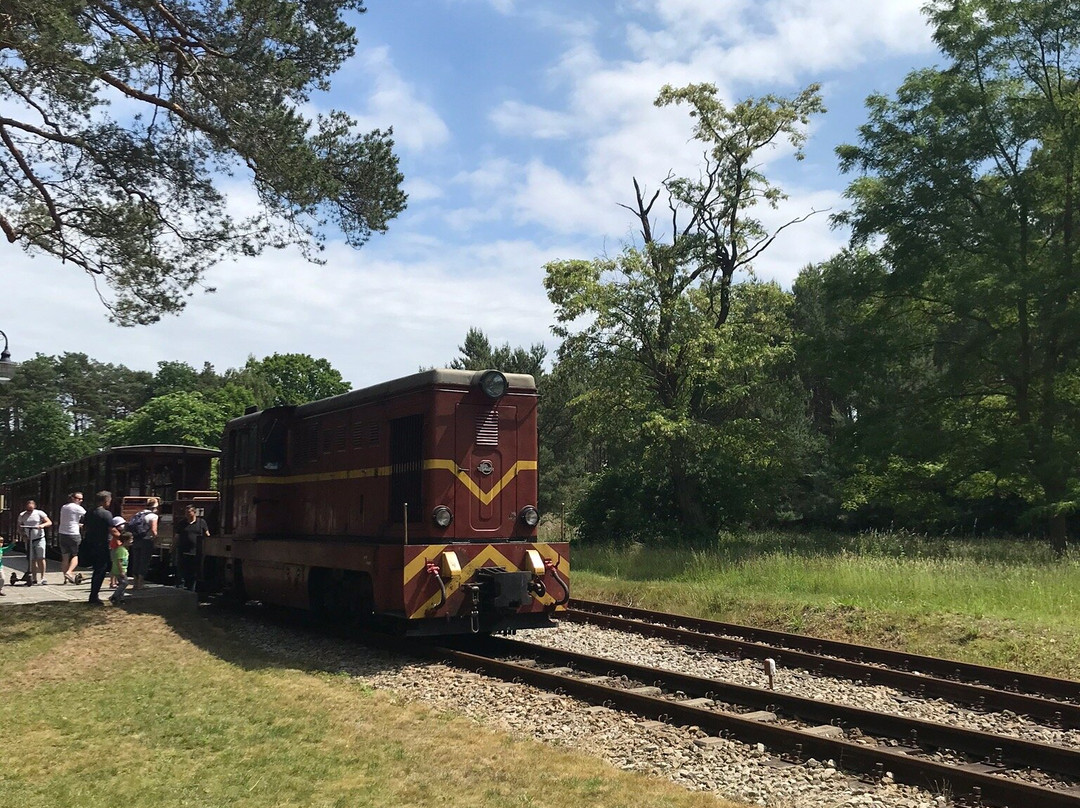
{"type": "Point", "coordinates": [679, 390]}
{"type": "Point", "coordinates": [289, 379]}
{"type": "Point", "coordinates": [176, 418]}
{"type": "Point", "coordinates": [871, 377]}
{"type": "Point", "coordinates": [478, 354]}
{"type": "Point", "coordinates": [128, 192]}
{"type": "Point", "coordinates": [95, 393]}
{"type": "Point", "coordinates": [968, 179]}
{"type": "Point", "coordinates": [90, 393]}
{"type": "Point", "coordinates": [43, 440]}
{"type": "Point", "coordinates": [177, 377]}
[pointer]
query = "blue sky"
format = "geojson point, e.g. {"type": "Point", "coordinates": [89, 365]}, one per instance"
{"type": "Point", "coordinates": [520, 126]}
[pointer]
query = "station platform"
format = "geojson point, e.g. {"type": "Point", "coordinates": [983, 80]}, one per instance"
{"type": "Point", "coordinates": [55, 590]}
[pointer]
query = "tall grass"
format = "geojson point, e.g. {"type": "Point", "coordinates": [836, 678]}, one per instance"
{"type": "Point", "coordinates": [871, 587]}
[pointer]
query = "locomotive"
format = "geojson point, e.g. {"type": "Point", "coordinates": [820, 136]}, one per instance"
{"type": "Point", "coordinates": [410, 505]}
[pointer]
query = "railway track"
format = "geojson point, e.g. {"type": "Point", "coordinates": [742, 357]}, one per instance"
{"type": "Point", "coordinates": [974, 767]}
{"type": "Point", "coordinates": [1042, 698]}
{"type": "Point", "coordinates": [993, 769]}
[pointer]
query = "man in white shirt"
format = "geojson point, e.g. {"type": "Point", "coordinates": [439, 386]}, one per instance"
{"type": "Point", "coordinates": [32, 524]}
{"type": "Point", "coordinates": [71, 535]}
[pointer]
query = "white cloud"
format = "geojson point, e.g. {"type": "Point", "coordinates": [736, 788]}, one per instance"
{"type": "Point", "coordinates": [516, 118]}
{"type": "Point", "coordinates": [393, 102]}
{"type": "Point", "coordinates": [780, 39]}
{"type": "Point", "coordinates": [613, 131]}
{"type": "Point", "coordinates": [374, 317]}
{"type": "Point", "coordinates": [421, 190]}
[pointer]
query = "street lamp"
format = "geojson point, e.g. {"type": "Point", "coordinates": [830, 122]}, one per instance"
{"type": "Point", "coordinates": [7, 367]}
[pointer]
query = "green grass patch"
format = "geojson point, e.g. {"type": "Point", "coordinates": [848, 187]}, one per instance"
{"type": "Point", "coordinates": [999, 602]}
{"type": "Point", "coordinates": [169, 709]}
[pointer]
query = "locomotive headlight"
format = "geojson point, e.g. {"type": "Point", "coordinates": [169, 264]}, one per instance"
{"type": "Point", "coordinates": [442, 516]}
{"type": "Point", "coordinates": [530, 516]}
{"type": "Point", "coordinates": [494, 384]}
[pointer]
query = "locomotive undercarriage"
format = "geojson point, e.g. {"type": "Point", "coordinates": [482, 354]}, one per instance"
{"type": "Point", "coordinates": [494, 600]}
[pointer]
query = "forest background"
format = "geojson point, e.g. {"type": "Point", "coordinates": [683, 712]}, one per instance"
{"type": "Point", "coordinates": [926, 378]}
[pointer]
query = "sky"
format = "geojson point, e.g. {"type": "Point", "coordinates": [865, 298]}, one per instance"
{"type": "Point", "coordinates": [520, 127]}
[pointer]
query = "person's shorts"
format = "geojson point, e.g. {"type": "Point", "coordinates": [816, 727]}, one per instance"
{"type": "Point", "coordinates": [69, 545]}
{"type": "Point", "coordinates": [37, 549]}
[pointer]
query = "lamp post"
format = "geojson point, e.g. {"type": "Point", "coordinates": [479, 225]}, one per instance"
{"type": "Point", "coordinates": [7, 367]}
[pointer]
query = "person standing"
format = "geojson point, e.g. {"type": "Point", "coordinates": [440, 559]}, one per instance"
{"type": "Point", "coordinates": [115, 532]}
{"type": "Point", "coordinates": [33, 522]}
{"type": "Point", "coordinates": [71, 516]}
{"type": "Point", "coordinates": [144, 527]}
{"type": "Point", "coordinates": [95, 543]}
{"type": "Point", "coordinates": [120, 567]}
{"type": "Point", "coordinates": [189, 536]}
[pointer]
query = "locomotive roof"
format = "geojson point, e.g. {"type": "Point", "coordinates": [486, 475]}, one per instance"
{"type": "Point", "coordinates": [439, 377]}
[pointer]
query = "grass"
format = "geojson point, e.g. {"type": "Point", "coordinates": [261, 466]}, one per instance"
{"type": "Point", "coordinates": [166, 708]}
{"type": "Point", "coordinates": [1000, 602]}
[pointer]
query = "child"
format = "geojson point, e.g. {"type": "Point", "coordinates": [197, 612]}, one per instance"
{"type": "Point", "coordinates": [114, 542]}
{"type": "Point", "coordinates": [119, 567]}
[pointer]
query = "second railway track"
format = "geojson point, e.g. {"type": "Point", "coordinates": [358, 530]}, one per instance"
{"type": "Point", "coordinates": [994, 769]}
{"type": "Point", "coordinates": [1043, 698]}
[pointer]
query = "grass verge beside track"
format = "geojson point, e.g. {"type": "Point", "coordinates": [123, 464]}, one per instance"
{"type": "Point", "coordinates": [161, 706]}
{"type": "Point", "coordinates": [1004, 603]}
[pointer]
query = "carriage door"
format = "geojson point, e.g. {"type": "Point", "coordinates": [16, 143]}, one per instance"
{"type": "Point", "coordinates": [486, 451]}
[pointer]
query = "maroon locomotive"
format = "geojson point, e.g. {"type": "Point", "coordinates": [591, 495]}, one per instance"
{"type": "Point", "coordinates": [412, 503]}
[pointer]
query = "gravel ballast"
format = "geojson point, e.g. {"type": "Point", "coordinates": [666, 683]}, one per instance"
{"type": "Point", "coordinates": [686, 756]}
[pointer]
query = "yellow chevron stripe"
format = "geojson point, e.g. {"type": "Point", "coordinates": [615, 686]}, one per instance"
{"type": "Point", "coordinates": [485, 497]}
{"type": "Point", "coordinates": [431, 553]}
{"type": "Point", "coordinates": [489, 553]}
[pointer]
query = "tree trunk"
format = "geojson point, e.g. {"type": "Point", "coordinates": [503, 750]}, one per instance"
{"type": "Point", "coordinates": [1058, 535]}
{"type": "Point", "coordinates": [1055, 494]}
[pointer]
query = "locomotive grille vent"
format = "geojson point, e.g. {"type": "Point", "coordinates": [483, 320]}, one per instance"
{"type": "Point", "coordinates": [487, 428]}
{"type": "Point", "coordinates": [364, 435]}
{"type": "Point", "coordinates": [340, 441]}
{"type": "Point", "coordinates": [308, 449]}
